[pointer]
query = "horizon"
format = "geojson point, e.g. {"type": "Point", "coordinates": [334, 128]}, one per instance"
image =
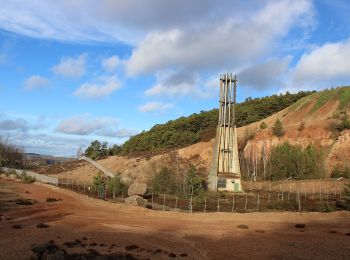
{"type": "Point", "coordinates": [103, 74]}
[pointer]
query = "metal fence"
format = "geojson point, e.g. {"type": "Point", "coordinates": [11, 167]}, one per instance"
{"type": "Point", "coordinates": [251, 201]}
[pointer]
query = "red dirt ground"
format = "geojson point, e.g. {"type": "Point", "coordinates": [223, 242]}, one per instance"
{"type": "Point", "coordinates": [200, 236]}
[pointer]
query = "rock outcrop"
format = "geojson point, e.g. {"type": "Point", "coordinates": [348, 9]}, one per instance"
{"type": "Point", "coordinates": [136, 200]}
{"type": "Point", "coordinates": [137, 188]}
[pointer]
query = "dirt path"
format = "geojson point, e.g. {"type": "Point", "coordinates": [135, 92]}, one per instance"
{"type": "Point", "coordinates": [146, 234]}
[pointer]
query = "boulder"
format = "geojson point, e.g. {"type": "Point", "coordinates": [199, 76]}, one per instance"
{"type": "Point", "coordinates": [137, 188]}
{"type": "Point", "coordinates": [3, 175]}
{"type": "Point", "coordinates": [136, 201]}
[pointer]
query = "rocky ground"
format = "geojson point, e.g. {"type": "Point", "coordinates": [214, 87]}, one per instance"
{"type": "Point", "coordinates": [38, 220]}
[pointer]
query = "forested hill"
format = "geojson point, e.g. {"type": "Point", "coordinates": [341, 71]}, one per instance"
{"type": "Point", "coordinates": [185, 131]}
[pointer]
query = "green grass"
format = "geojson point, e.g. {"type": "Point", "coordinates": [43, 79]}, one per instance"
{"type": "Point", "coordinates": [323, 98]}
{"type": "Point", "coordinates": [297, 105]}
{"type": "Point", "coordinates": [344, 97]}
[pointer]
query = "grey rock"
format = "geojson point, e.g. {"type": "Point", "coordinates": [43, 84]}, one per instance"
{"type": "Point", "coordinates": [137, 188]}
{"type": "Point", "coordinates": [136, 201]}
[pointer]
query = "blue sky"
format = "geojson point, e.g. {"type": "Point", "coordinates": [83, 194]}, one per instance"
{"type": "Point", "coordinates": [75, 71]}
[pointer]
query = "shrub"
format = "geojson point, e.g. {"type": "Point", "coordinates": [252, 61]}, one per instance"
{"type": "Point", "coordinates": [277, 128]}
{"type": "Point", "coordinates": [116, 186]}
{"type": "Point", "coordinates": [301, 126]}
{"type": "Point", "coordinates": [163, 182]}
{"type": "Point", "coordinates": [27, 179]}
{"type": "Point", "coordinates": [263, 125]}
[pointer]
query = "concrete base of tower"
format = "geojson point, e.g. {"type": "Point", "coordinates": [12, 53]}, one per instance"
{"type": "Point", "coordinates": [229, 184]}
{"type": "Point", "coordinates": [224, 183]}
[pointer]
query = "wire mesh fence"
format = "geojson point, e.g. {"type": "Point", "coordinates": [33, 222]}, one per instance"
{"type": "Point", "coordinates": [260, 198]}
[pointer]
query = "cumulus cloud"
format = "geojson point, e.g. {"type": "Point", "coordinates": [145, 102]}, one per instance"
{"type": "Point", "coordinates": [262, 75]}
{"type": "Point", "coordinates": [36, 81]}
{"type": "Point", "coordinates": [87, 125]}
{"type": "Point", "coordinates": [71, 67]}
{"type": "Point", "coordinates": [226, 42]}
{"type": "Point", "coordinates": [110, 64]}
{"type": "Point", "coordinates": [326, 64]}
{"type": "Point", "coordinates": [100, 88]}
{"type": "Point", "coordinates": [155, 107]}
{"type": "Point", "coordinates": [180, 83]}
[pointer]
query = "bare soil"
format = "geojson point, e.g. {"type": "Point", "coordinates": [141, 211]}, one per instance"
{"type": "Point", "coordinates": [115, 228]}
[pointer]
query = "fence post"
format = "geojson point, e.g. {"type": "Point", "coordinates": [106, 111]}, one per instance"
{"type": "Point", "coordinates": [282, 192]}
{"type": "Point", "coordinates": [246, 201]}
{"type": "Point", "coordinates": [164, 202]}
{"type": "Point", "coordinates": [258, 203]}
{"type": "Point", "coordinates": [299, 201]}
{"type": "Point", "coordinates": [313, 190]}
{"type": "Point", "coordinates": [218, 204]}
{"type": "Point", "coordinates": [268, 200]}
{"type": "Point", "coordinates": [152, 200]}
{"type": "Point", "coordinates": [205, 204]}
{"type": "Point", "coordinates": [233, 202]}
{"type": "Point", "coordinates": [176, 203]}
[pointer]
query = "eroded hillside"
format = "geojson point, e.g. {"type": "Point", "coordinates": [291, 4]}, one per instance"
{"type": "Point", "coordinates": [311, 120]}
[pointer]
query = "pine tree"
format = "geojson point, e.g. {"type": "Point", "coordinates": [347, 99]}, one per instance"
{"type": "Point", "coordinates": [277, 128]}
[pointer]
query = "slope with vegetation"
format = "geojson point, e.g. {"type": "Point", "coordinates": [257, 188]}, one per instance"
{"type": "Point", "coordinates": [201, 127]}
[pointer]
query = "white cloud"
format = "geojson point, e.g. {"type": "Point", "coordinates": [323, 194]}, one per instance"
{"type": "Point", "coordinates": [267, 74]}
{"type": "Point", "coordinates": [180, 83]}
{"type": "Point", "coordinates": [102, 87]}
{"type": "Point", "coordinates": [36, 81]}
{"type": "Point", "coordinates": [110, 64]}
{"type": "Point", "coordinates": [106, 20]}
{"type": "Point", "coordinates": [87, 125]}
{"type": "Point", "coordinates": [82, 125]}
{"type": "Point", "coordinates": [155, 107]}
{"type": "Point", "coordinates": [71, 67]}
{"type": "Point", "coordinates": [326, 64]}
{"type": "Point", "coordinates": [225, 42]}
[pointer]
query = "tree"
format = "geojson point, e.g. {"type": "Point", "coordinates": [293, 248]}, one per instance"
{"type": "Point", "coordinates": [263, 125]}
{"type": "Point", "coordinates": [277, 128]}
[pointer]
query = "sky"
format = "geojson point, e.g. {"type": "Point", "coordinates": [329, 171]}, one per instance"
{"type": "Point", "coordinates": [75, 71]}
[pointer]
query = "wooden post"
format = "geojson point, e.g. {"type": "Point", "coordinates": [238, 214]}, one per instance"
{"type": "Point", "coordinates": [268, 200]}
{"type": "Point", "coordinates": [313, 190]}
{"type": "Point", "coordinates": [257, 208]}
{"type": "Point", "coordinates": [246, 201]}
{"type": "Point", "coordinates": [152, 200]}
{"type": "Point", "coordinates": [164, 202]}
{"type": "Point", "coordinates": [176, 203]}
{"type": "Point", "coordinates": [205, 204]}
{"type": "Point", "coordinates": [218, 204]}
{"type": "Point", "coordinates": [233, 203]}
{"type": "Point", "coordinates": [282, 192]}
{"type": "Point", "coordinates": [299, 202]}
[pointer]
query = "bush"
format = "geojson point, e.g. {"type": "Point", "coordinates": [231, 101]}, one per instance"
{"type": "Point", "coordinates": [164, 182]}
{"type": "Point", "coordinates": [338, 172]}
{"type": "Point", "coordinates": [277, 128]}
{"type": "Point", "coordinates": [288, 160]}
{"type": "Point", "coordinates": [116, 186]}
{"type": "Point", "coordinates": [10, 155]}
{"type": "Point", "coordinates": [301, 126]}
{"type": "Point", "coordinates": [27, 179]}
{"type": "Point", "coordinates": [263, 125]}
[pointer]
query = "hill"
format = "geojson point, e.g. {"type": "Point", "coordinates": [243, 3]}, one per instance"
{"type": "Point", "coordinates": [321, 115]}
{"type": "Point", "coordinates": [185, 131]}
